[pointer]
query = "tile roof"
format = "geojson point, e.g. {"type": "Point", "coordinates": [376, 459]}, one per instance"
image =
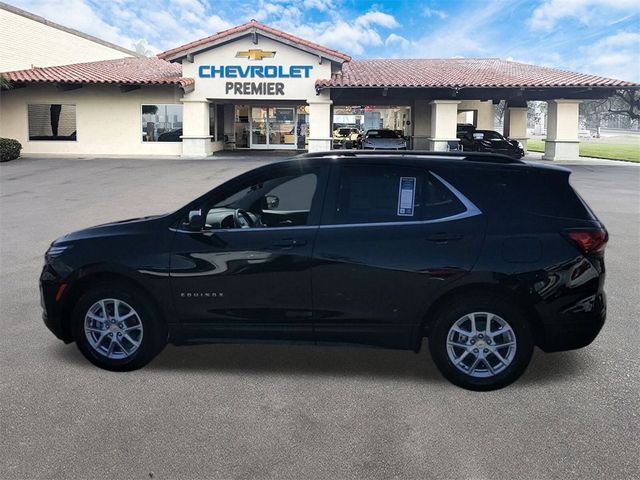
{"type": "Point", "coordinates": [459, 73]}
{"type": "Point", "coordinates": [258, 26]}
{"type": "Point", "coordinates": [127, 71]}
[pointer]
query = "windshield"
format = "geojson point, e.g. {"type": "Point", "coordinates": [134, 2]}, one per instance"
{"type": "Point", "coordinates": [382, 134]}
{"type": "Point", "coordinates": [344, 131]}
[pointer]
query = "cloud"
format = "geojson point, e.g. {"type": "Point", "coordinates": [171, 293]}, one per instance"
{"type": "Point", "coordinates": [77, 14]}
{"type": "Point", "coordinates": [432, 12]}
{"type": "Point", "coordinates": [616, 56]}
{"type": "Point", "coordinates": [124, 22]}
{"type": "Point", "coordinates": [550, 12]}
{"type": "Point", "coordinates": [395, 41]}
{"type": "Point", "coordinates": [377, 18]}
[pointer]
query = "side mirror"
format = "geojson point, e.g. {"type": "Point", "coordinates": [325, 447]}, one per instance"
{"type": "Point", "coordinates": [272, 201]}
{"type": "Point", "coordinates": [195, 220]}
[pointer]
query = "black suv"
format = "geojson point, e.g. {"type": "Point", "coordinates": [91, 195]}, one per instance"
{"type": "Point", "coordinates": [485, 255]}
{"type": "Point", "coordinates": [474, 140]}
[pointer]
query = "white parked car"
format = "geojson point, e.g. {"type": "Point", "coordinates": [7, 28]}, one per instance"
{"type": "Point", "coordinates": [383, 139]}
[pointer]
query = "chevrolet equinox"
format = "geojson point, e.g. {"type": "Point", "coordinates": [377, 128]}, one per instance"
{"type": "Point", "coordinates": [484, 255]}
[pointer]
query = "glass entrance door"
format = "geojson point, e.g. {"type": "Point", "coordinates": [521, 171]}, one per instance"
{"type": "Point", "coordinates": [273, 127]}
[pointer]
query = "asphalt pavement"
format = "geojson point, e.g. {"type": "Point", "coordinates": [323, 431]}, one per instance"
{"type": "Point", "coordinates": [285, 411]}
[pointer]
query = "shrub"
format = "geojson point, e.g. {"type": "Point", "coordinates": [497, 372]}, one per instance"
{"type": "Point", "coordinates": [9, 149]}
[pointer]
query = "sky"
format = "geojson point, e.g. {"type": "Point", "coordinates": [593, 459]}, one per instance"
{"type": "Point", "coordinates": [600, 37]}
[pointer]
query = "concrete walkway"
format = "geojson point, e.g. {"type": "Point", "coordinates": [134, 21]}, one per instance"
{"type": "Point", "coordinates": [272, 155]}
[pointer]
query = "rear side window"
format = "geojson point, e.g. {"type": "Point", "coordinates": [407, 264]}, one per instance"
{"type": "Point", "coordinates": [378, 194]}
{"type": "Point", "coordinates": [551, 195]}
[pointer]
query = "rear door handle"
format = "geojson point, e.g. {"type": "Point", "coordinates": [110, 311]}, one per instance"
{"type": "Point", "coordinates": [444, 237]}
{"type": "Point", "coordinates": [286, 243]}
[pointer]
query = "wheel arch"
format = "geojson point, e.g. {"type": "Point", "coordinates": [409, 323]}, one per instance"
{"type": "Point", "coordinates": [525, 308]}
{"type": "Point", "coordinates": [95, 277]}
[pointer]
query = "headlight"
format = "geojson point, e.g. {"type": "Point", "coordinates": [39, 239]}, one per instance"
{"type": "Point", "coordinates": [520, 146]}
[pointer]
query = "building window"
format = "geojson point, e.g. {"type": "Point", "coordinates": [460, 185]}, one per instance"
{"type": "Point", "coordinates": [52, 122]}
{"type": "Point", "coordinates": [162, 123]}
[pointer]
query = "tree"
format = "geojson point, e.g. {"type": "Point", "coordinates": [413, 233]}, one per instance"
{"type": "Point", "coordinates": [624, 103]}
{"type": "Point", "coordinates": [140, 48]}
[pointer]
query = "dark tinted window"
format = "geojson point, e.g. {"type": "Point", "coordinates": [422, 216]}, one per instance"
{"type": "Point", "coordinates": [373, 194]}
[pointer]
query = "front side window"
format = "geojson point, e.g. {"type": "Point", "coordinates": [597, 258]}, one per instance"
{"type": "Point", "coordinates": [52, 122]}
{"type": "Point", "coordinates": [374, 194]}
{"type": "Point", "coordinates": [279, 201]}
{"type": "Point", "coordinates": [162, 123]}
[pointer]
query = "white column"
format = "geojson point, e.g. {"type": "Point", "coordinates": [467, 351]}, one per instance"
{"type": "Point", "coordinates": [486, 115]}
{"type": "Point", "coordinates": [515, 124]}
{"type": "Point", "coordinates": [320, 123]}
{"type": "Point", "coordinates": [421, 124]}
{"type": "Point", "coordinates": [196, 141]}
{"type": "Point", "coordinates": [444, 116]}
{"type": "Point", "coordinates": [562, 130]}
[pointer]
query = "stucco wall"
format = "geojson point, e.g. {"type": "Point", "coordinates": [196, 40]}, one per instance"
{"type": "Point", "coordinates": [25, 43]}
{"type": "Point", "coordinates": [108, 121]}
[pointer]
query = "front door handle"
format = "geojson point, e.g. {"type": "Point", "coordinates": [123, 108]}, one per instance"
{"type": "Point", "coordinates": [444, 237]}
{"type": "Point", "coordinates": [286, 243]}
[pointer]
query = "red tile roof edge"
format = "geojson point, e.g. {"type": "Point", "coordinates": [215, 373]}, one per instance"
{"type": "Point", "coordinates": [258, 26]}
{"type": "Point", "coordinates": [122, 71]}
{"type": "Point", "coordinates": [370, 74]}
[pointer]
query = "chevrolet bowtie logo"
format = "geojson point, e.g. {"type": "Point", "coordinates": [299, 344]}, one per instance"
{"type": "Point", "coordinates": [255, 54]}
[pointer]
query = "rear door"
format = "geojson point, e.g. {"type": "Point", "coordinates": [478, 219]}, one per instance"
{"type": "Point", "coordinates": [391, 237]}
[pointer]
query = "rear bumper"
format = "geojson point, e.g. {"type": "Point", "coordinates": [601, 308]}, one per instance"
{"type": "Point", "coordinates": [569, 331]}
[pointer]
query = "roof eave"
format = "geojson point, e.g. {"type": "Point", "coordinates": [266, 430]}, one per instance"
{"type": "Point", "coordinates": [182, 54]}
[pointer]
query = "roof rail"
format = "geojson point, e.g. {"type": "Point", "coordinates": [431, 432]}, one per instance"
{"type": "Point", "coordinates": [458, 155]}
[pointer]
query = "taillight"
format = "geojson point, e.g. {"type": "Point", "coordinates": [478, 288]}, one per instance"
{"type": "Point", "coordinates": [589, 240]}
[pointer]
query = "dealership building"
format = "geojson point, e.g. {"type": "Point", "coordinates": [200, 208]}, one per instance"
{"type": "Point", "coordinates": [255, 87]}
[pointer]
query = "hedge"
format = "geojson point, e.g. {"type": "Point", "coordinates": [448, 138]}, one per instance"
{"type": "Point", "coordinates": [9, 149]}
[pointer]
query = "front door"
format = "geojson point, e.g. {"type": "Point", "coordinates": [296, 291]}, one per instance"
{"type": "Point", "coordinates": [247, 273]}
{"type": "Point", "coordinates": [273, 127]}
{"type": "Point", "coordinates": [390, 238]}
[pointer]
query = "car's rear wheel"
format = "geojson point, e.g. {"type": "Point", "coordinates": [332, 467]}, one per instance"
{"type": "Point", "coordinates": [481, 343]}
{"type": "Point", "coordinates": [116, 327]}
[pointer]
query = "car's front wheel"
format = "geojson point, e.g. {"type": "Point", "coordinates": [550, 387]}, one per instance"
{"type": "Point", "coordinates": [481, 343]}
{"type": "Point", "coordinates": [116, 327]}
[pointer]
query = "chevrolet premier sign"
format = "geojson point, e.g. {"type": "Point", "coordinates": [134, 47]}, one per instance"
{"type": "Point", "coordinates": [254, 71]}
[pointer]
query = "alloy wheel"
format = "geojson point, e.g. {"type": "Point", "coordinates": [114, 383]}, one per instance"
{"type": "Point", "coordinates": [481, 344]}
{"type": "Point", "coordinates": [113, 328]}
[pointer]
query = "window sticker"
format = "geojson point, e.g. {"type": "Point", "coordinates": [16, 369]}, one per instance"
{"type": "Point", "coordinates": [406, 197]}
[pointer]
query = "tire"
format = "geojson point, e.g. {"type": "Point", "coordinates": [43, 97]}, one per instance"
{"type": "Point", "coordinates": [497, 367]}
{"type": "Point", "coordinates": [138, 344]}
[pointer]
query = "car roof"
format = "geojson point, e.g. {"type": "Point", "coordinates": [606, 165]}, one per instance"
{"type": "Point", "coordinates": [412, 155]}
{"type": "Point", "coordinates": [418, 157]}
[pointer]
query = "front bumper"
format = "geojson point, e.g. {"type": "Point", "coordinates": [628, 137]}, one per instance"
{"type": "Point", "coordinates": [52, 313]}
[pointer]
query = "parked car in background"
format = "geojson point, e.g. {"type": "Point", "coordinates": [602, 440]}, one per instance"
{"type": "Point", "coordinates": [484, 255]}
{"type": "Point", "coordinates": [346, 137]}
{"type": "Point", "coordinates": [383, 139]}
{"type": "Point", "coordinates": [171, 136]}
{"type": "Point", "coordinates": [474, 140]}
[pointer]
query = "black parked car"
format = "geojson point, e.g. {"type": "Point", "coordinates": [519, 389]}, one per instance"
{"type": "Point", "coordinates": [485, 255]}
{"type": "Point", "coordinates": [473, 140]}
{"type": "Point", "coordinates": [171, 136]}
